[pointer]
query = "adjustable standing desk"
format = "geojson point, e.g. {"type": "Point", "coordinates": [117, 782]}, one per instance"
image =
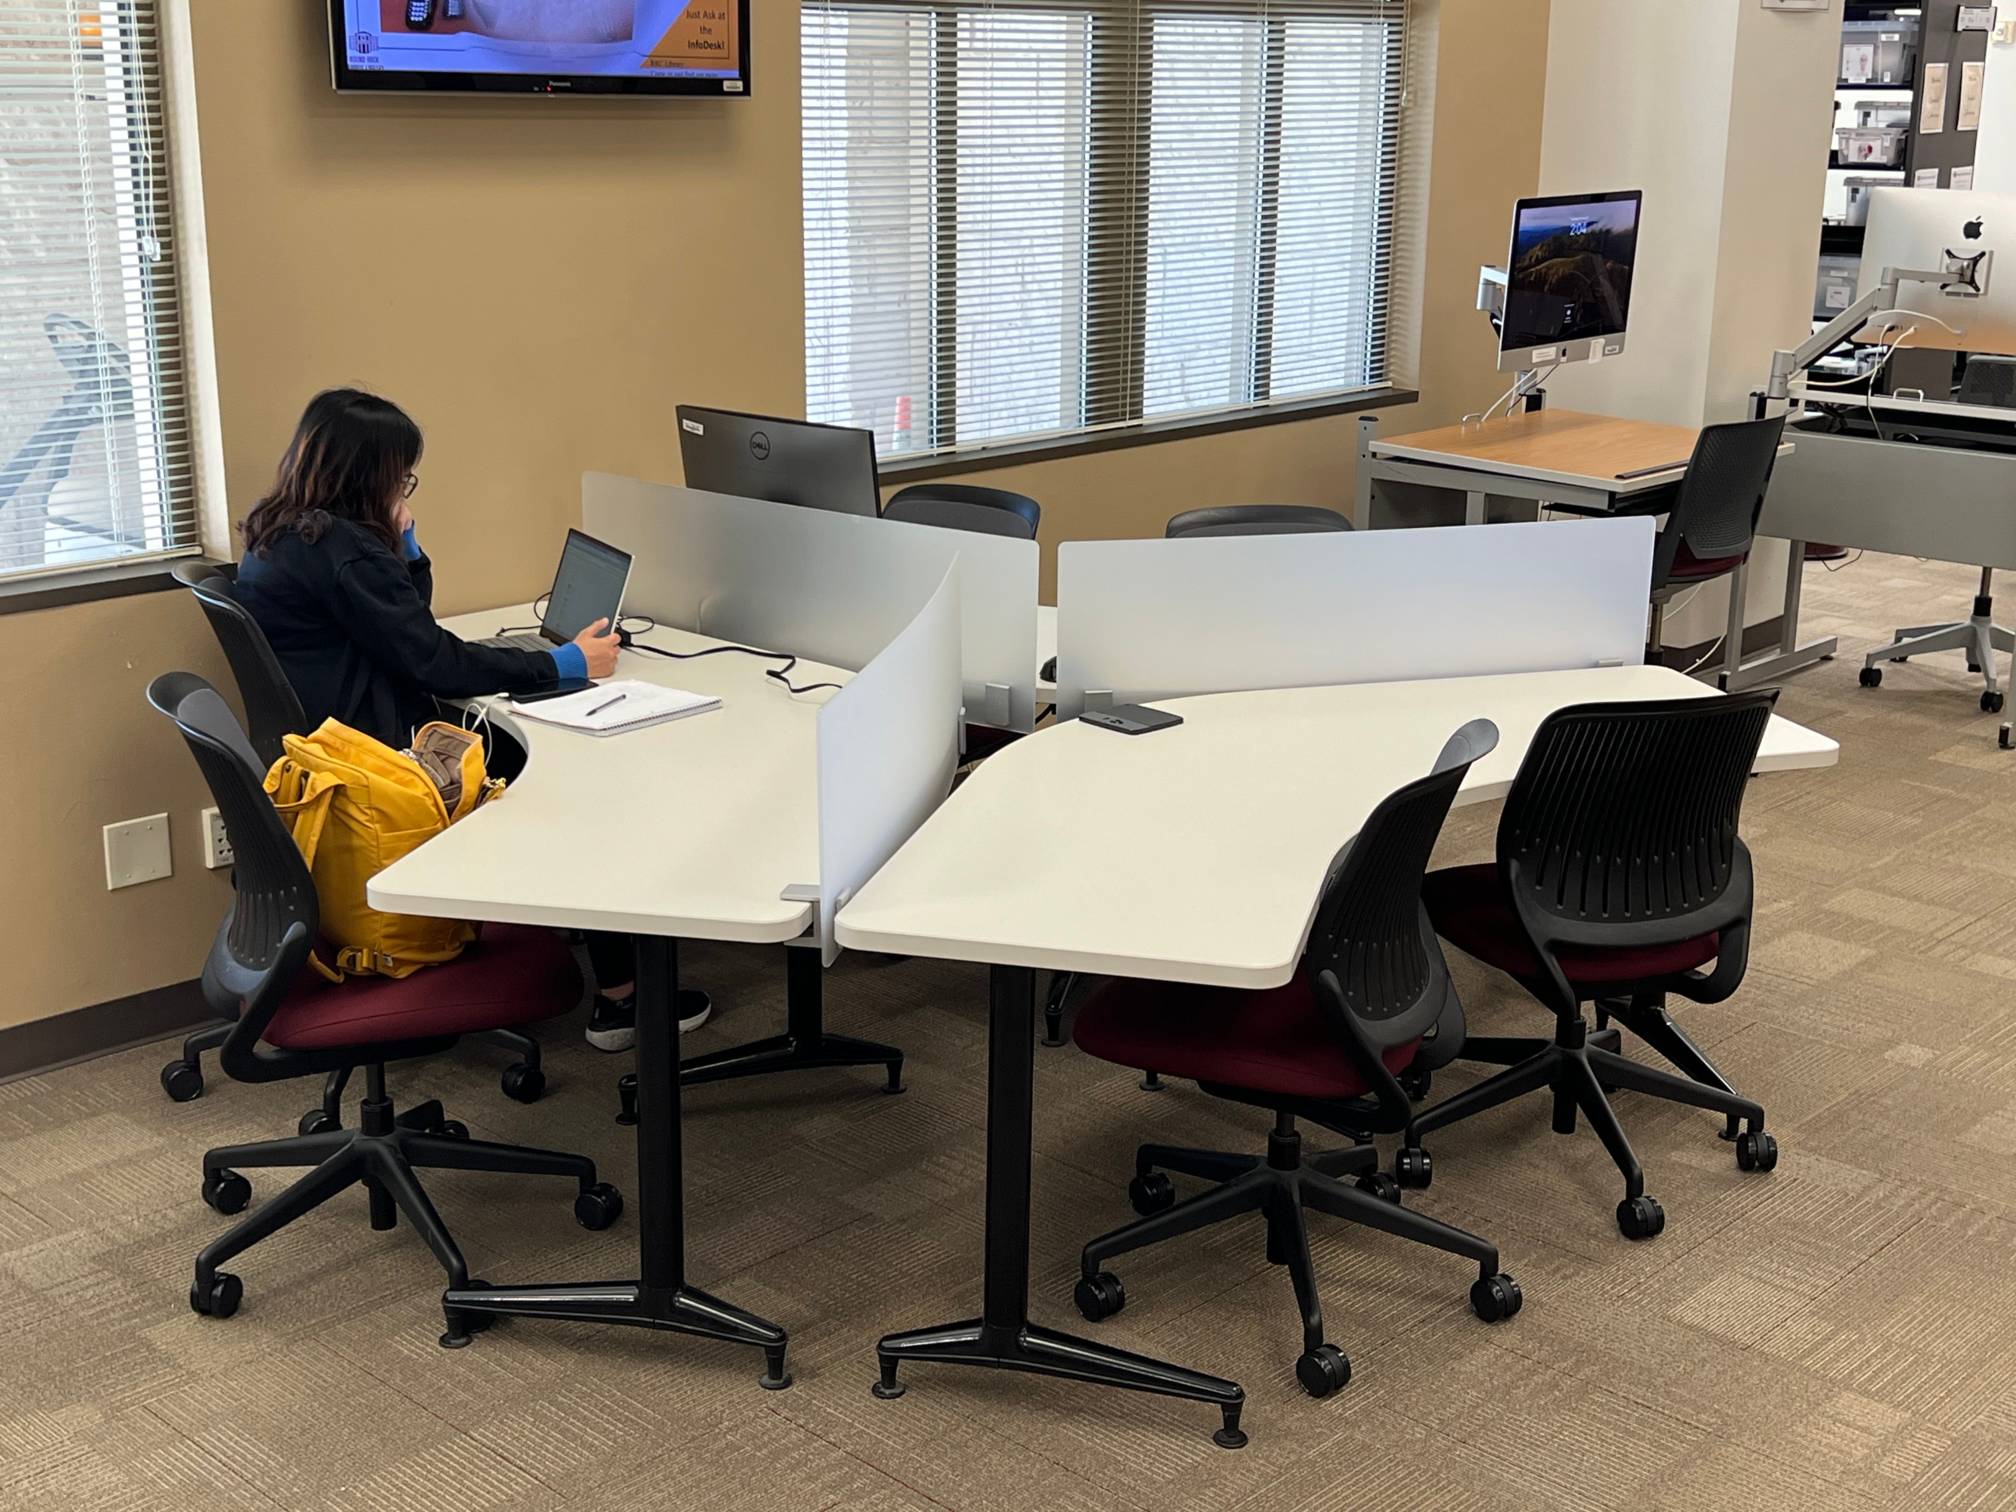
{"type": "Point", "coordinates": [703, 828]}
{"type": "Point", "coordinates": [1592, 463]}
{"type": "Point", "coordinates": [1222, 896]}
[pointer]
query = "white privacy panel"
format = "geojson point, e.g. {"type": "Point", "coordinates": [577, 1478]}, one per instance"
{"type": "Point", "coordinates": [888, 745]}
{"type": "Point", "coordinates": [831, 586]}
{"type": "Point", "coordinates": [1162, 619]}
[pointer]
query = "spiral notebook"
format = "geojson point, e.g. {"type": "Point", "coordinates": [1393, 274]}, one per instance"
{"type": "Point", "coordinates": [612, 708]}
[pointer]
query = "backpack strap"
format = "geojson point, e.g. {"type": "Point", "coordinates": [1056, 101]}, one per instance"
{"type": "Point", "coordinates": [302, 799]}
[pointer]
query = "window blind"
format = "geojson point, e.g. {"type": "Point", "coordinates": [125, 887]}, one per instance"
{"type": "Point", "coordinates": [1026, 218]}
{"type": "Point", "coordinates": [95, 460]}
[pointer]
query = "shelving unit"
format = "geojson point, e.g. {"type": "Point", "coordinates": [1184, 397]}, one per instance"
{"type": "Point", "coordinates": [1933, 27]}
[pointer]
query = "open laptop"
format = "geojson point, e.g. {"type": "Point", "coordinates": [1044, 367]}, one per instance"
{"type": "Point", "coordinates": [589, 586]}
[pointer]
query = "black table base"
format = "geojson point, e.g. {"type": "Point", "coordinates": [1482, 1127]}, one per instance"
{"type": "Point", "coordinates": [660, 1298]}
{"type": "Point", "coordinates": [1003, 1338]}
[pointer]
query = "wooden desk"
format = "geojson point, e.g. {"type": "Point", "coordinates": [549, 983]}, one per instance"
{"type": "Point", "coordinates": [1589, 464]}
{"type": "Point", "coordinates": [1556, 446]}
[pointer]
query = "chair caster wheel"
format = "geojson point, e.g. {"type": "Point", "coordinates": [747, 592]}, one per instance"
{"type": "Point", "coordinates": [1099, 1297]}
{"type": "Point", "coordinates": [182, 1081]}
{"type": "Point", "coordinates": [317, 1121]}
{"type": "Point", "coordinates": [453, 1128]}
{"type": "Point", "coordinates": [1417, 1084]}
{"type": "Point", "coordinates": [2004, 739]}
{"type": "Point", "coordinates": [523, 1083]}
{"type": "Point", "coordinates": [1640, 1217]}
{"type": "Point", "coordinates": [1413, 1167]}
{"type": "Point", "coordinates": [226, 1191]}
{"type": "Point", "coordinates": [220, 1298]}
{"type": "Point", "coordinates": [1323, 1370]}
{"type": "Point", "coordinates": [1151, 1194]}
{"type": "Point", "coordinates": [598, 1206]}
{"type": "Point", "coordinates": [1872, 677]}
{"type": "Point", "coordinates": [1756, 1151]}
{"type": "Point", "coordinates": [1991, 703]}
{"type": "Point", "coordinates": [1496, 1298]}
{"type": "Point", "coordinates": [1379, 1184]}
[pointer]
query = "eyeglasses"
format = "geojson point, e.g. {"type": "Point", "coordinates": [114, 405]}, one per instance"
{"type": "Point", "coordinates": [412, 482]}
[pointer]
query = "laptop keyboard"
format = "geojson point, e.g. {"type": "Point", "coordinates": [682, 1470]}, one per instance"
{"type": "Point", "coordinates": [518, 642]}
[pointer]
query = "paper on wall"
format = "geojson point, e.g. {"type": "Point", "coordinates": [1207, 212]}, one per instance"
{"type": "Point", "coordinates": [1932, 114]}
{"type": "Point", "coordinates": [1971, 78]}
{"type": "Point", "coordinates": [1925, 178]}
{"type": "Point", "coordinates": [1962, 178]}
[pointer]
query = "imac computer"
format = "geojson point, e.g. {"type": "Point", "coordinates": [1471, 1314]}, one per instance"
{"type": "Point", "coordinates": [785, 461]}
{"type": "Point", "coordinates": [1938, 231]}
{"type": "Point", "coordinates": [1565, 293]}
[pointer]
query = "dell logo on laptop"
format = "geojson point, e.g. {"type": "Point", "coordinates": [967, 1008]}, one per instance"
{"type": "Point", "coordinates": [759, 446]}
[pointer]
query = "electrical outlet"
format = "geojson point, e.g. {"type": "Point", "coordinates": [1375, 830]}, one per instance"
{"type": "Point", "coordinates": [137, 851]}
{"type": "Point", "coordinates": [217, 852]}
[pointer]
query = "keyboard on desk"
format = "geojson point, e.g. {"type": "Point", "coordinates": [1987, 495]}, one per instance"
{"type": "Point", "coordinates": [518, 642]}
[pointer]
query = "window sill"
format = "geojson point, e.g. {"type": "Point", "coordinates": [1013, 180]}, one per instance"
{"type": "Point", "coordinates": [88, 584]}
{"type": "Point", "coordinates": [1148, 433]}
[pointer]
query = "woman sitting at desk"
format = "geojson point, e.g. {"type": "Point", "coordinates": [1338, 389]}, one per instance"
{"type": "Point", "coordinates": [334, 575]}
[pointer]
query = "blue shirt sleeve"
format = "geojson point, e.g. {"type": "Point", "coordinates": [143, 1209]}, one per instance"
{"type": "Point", "coordinates": [571, 662]}
{"type": "Point", "coordinates": [412, 539]}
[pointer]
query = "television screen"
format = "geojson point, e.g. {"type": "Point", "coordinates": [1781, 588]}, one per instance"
{"type": "Point", "coordinates": [1569, 279]}
{"type": "Point", "coordinates": [542, 46]}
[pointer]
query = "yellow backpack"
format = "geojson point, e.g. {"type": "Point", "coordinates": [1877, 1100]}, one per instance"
{"type": "Point", "coordinates": [354, 806]}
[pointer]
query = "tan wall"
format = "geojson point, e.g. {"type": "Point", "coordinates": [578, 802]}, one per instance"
{"type": "Point", "coordinates": [80, 749]}
{"type": "Point", "coordinates": [539, 282]}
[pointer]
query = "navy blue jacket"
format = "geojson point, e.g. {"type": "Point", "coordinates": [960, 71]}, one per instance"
{"type": "Point", "coordinates": [351, 624]}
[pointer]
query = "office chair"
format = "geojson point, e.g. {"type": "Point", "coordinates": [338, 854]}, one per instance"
{"type": "Point", "coordinates": [1325, 1047]}
{"type": "Point", "coordinates": [273, 711]}
{"type": "Point", "coordinates": [1986, 381]}
{"type": "Point", "coordinates": [1255, 519]}
{"type": "Point", "coordinates": [288, 1022]}
{"type": "Point", "coordinates": [1619, 876]}
{"type": "Point", "coordinates": [1712, 523]}
{"type": "Point", "coordinates": [959, 506]}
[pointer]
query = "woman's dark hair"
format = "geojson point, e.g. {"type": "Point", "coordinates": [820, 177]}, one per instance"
{"type": "Point", "coordinates": [349, 460]}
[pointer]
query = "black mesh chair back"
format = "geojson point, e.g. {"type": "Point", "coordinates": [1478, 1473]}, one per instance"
{"type": "Point", "coordinates": [271, 707]}
{"type": "Point", "coordinates": [1374, 962]}
{"type": "Point", "coordinates": [960, 506]}
{"type": "Point", "coordinates": [1989, 380]}
{"type": "Point", "coordinates": [264, 942]}
{"type": "Point", "coordinates": [1621, 828]}
{"type": "Point", "coordinates": [1716, 508]}
{"type": "Point", "coordinates": [1255, 519]}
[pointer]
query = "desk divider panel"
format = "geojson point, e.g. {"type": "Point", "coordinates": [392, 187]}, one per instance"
{"type": "Point", "coordinates": [1162, 619]}
{"type": "Point", "coordinates": [888, 746]}
{"type": "Point", "coordinates": [834, 587]}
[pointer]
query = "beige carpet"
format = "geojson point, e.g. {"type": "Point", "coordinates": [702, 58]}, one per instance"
{"type": "Point", "coordinates": [1837, 1335]}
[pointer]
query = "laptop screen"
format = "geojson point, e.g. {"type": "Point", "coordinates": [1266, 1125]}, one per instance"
{"type": "Point", "coordinates": [589, 586]}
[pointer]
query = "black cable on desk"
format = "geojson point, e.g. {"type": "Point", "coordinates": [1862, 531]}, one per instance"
{"type": "Point", "coordinates": [781, 674]}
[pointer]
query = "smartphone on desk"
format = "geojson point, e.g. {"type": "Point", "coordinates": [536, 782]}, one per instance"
{"type": "Point", "coordinates": [561, 689]}
{"type": "Point", "coordinates": [1131, 719]}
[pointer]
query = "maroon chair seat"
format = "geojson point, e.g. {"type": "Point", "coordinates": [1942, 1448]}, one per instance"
{"type": "Point", "coordinates": [511, 975]}
{"type": "Point", "coordinates": [1272, 1042]}
{"type": "Point", "coordinates": [1472, 911]}
{"type": "Point", "coordinates": [1689, 568]}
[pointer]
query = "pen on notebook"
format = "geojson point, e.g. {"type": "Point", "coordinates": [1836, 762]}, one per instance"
{"type": "Point", "coordinates": [609, 705]}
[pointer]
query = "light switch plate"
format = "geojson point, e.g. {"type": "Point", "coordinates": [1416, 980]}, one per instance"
{"type": "Point", "coordinates": [137, 851]}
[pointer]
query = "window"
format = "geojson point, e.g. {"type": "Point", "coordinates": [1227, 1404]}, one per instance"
{"type": "Point", "coordinates": [94, 436]}
{"type": "Point", "coordinates": [1026, 218]}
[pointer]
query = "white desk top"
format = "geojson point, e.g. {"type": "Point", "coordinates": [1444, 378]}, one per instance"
{"type": "Point", "coordinates": [692, 828]}
{"type": "Point", "coordinates": [1196, 853]}
{"type": "Point", "coordinates": [1891, 404]}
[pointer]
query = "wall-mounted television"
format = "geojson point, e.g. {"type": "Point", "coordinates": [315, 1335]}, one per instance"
{"type": "Point", "coordinates": [549, 47]}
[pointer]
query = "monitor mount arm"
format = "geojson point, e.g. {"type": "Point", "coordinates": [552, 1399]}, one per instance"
{"type": "Point", "coordinates": [1959, 276]}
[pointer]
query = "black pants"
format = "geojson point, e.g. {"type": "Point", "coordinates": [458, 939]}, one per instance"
{"type": "Point", "coordinates": [612, 957]}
